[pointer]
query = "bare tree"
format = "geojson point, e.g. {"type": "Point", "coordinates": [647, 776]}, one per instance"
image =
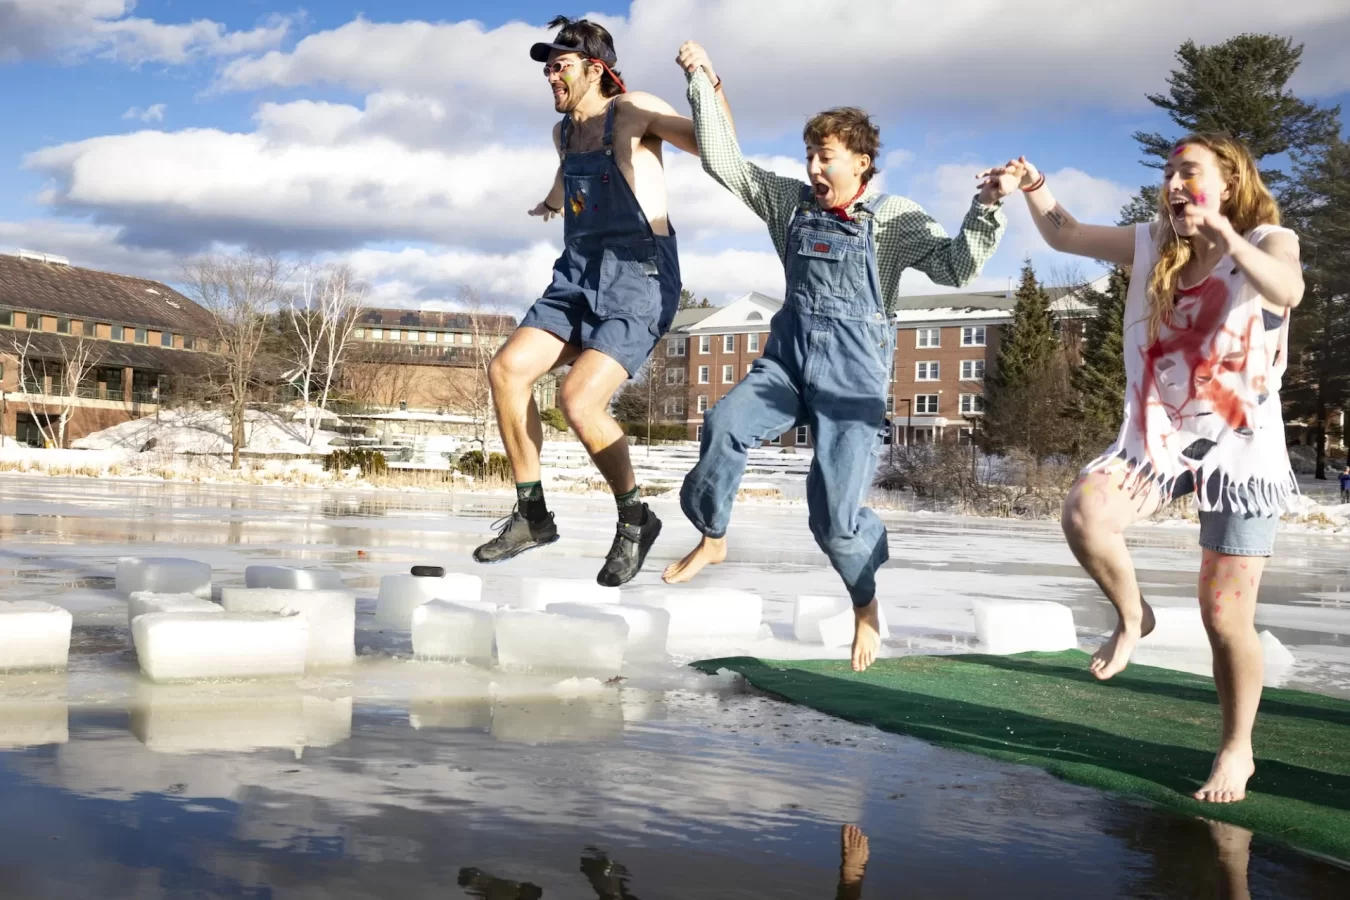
{"type": "Point", "coordinates": [67, 373]}
{"type": "Point", "coordinates": [656, 395]}
{"type": "Point", "coordinates": [372, 378]}
{"type": "Point", "coordinates": [322, 318]}
{"type": "Point", "coordinates": [489, 327]}
{"type": "Point", "coordinates": [242, 292]}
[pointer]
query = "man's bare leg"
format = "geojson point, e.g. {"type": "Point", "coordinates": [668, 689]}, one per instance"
{"type": "Point", "coordinates": [584, 398]}
{"type": "Point", "coordinates": [1096, 513]}
{"type": "Point", "coordinates": [866, 635]}
{"type": "Point", "coordinates": [1227, 592]}
{"type": "Point", "coordinates": [1234, 846]}
{"type": "Point", "coordinates": [528, 355]}
{"type": "Point", "coordinates": [709, 552]}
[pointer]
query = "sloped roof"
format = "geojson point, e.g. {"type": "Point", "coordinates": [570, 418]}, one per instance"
{"type": "Point", "coordinates": [114, 354]}
{"type": "Point", "coordinates": [433, 320]}
{"type": "Point", "coordinates": [85, 294]}
{"type": "Point", "coordinates": [686, 317]}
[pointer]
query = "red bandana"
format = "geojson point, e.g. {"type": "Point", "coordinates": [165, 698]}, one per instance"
{"type": "Point", "coordinates": [842, 211]}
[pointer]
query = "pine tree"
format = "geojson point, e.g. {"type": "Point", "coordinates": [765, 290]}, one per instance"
{"type": "Point", "coordinates": [1238, 88]}
{"type": "Point", "coordinates": [687, 300]}
{"type": "Point", "coordinates": [1318, 381]}
{"type": "Point", "coordinates": [1025, 393]}
{"type": "Point", "coordinates": [1098, 403]}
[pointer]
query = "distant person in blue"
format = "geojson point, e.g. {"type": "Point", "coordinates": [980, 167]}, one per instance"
{"type": "Point", "coordinates": [1345, 485]}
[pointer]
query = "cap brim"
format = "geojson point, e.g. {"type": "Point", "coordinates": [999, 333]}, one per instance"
{"type": "Point", "coordinates": [540, 52]}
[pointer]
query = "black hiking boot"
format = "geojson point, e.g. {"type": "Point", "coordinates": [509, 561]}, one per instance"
{"type": "Point", "coordinates": [629, 550]}
{"type": "Point", "coordinates": [517, 535]}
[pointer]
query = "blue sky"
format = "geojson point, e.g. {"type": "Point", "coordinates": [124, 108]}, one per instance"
{"type": "Point", "coordinates": [406, 140]}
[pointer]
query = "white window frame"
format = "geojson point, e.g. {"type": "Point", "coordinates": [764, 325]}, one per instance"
{"type": "Point", "coordinates": [377, 334]}
{"type": "Point", "coordinates": [394, 335]}
{"type": "Point", "coordinates": [803, 436]}
{"type": "Point", "coordinates": [969, 408]}
{"type": "Point", "coordinates": [777, 441]}
{"type": "Point", "coordinates": [964, 436]}
{"type": "Point", "coordinates": [676, 346]}
{"type": "Point", "coordinates": [921, 333]}
{"type": "Point", "coordinates": [414, 337]}
{"type": "Point", "coordinates": [359, 334]}
{"type": "Point", "coordinates": [704, 374]}
{"type": "Point", "coordinates": [921, 408]}
{"type": "Point", "coordinates": [728, 343]}
{"type": "Point", "coordinates": [728, 374]}
{"type": "Point", "coordinates": [970, 365]}
{"type": "Point", "coordinates": [927, 370]}
{"type": "Point", "coordinates": [890, 404]}
{"type": "Point", "coordinates": [702, 403]}
{"type": "Point", "coordinates": [429, 337]}
{"type": "Point", "coordinates": [753, 342]}
{"type": "Point", "coordinates": [466, 338]}
{"type": "Point", "coordinates": [704, 344]}
{"type": "Point", "coordinates": [748, 367]}
{"type": "Point", "coordinates": [698, 432]}
{"type": "Point", "coordinates": [973, 331]}
{"type": "Point", "coordinates": [675, 406]}
{"type": "Point", "coordinates": [674, 375]}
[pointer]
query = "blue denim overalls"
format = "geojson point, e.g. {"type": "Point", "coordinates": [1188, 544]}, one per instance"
{"type": "Point", "coordinates": [827, 364]}
{"type": "Point", "coordinates": [616, 287]}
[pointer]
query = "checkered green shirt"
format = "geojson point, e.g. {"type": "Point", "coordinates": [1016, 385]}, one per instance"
{"type": "Point", "coordinates": [906, 236]}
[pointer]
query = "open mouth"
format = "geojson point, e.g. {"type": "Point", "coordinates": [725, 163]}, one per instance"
{"type": "Point", "coordinates": [1178, 208]}
{"type": "Point", "coordinates": [822, 189]}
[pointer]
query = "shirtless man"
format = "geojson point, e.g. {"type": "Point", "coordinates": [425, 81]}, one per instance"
{"type": "Point", "coordinates": [827, 363]}
{"type": "Point", "coordinates": [615, 289]}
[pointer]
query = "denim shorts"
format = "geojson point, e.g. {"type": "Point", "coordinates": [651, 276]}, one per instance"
{"type": "Point", "coordinates": [1234, 534]}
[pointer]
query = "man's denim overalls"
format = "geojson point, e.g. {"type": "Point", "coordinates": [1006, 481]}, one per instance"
{"type": "Point", "coordinates": [827, 364]}
{"type": "Point", "coordinates": [616, 287]}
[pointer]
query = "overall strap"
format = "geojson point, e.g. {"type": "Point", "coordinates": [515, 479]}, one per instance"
{"type": "Point", "coordinates": [869, 206]}
{"type": "Point", "coordinates": [609, 126]}
{"type": "Point", "coordinates": [565, 135]}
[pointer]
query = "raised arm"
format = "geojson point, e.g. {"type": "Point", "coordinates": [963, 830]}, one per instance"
{"type": "Point", "coordinates": [1110, 243]}
{"type": "Point", "coordinates": [1272, 266]}
{"type": "Point", "coordinates": [772, 197]}
{"type": "Point", "coordinates": [659, 119]}
{"type": "Point", "coordinates": [949, 261]}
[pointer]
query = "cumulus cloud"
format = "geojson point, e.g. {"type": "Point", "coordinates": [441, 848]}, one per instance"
{"type": "Point", "coordinates": [89, 246]}
{"type": "Point", "coordinates": [149, 114]}
{"type": "Point", "coordinates": [35, 29]}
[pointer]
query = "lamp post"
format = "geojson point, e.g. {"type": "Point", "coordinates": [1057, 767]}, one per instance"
{"type": "Point", "coordinates": [909, 422]}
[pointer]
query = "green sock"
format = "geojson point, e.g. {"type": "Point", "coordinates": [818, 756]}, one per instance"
{"type": "Point", "coordinates": [630, 506]}
{"type": "Point", "coordinates": [529, 490]}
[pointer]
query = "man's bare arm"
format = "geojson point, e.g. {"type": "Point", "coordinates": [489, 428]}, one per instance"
{"type": "Point", "coordinates": [552, 204]}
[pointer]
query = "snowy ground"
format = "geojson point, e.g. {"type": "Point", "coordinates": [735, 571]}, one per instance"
{"type": "Point", "coordinates": [389, 778]}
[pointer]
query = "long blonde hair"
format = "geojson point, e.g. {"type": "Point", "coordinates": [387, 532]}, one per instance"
{"type": "Point", "coordinates": [1249, 204]}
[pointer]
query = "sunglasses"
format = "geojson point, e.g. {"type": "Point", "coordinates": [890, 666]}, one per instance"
{"type": "Point", "coordinates": [557, 68]}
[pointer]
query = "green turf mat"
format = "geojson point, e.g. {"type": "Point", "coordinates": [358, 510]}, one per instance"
{"type": "Point", "coordinates": [1148, 732]}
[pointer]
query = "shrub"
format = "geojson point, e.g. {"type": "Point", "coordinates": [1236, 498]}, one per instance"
{"type": "Point", "coordinates": [554, 418]}
{"type": "Point", "coordinates": [496, 466]}
{"type": "Point", "coordinates": [369, 462]}
{"type": "Point", "coordinates": [661, 432]}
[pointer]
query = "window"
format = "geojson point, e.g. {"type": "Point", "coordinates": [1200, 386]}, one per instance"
{"type": "Point", "coordinates": [119, 333]}
{"type": "Point", "coordinates": [698, 432]}
{"type": "Point", "coordinates": [142, 336]}
{"type": "Point", "coordinates": [755, 317]}
{"type": "Point", "coordinates": [890, 405]}
{"type": "Point", "coordinates": [748, 367]}
{"type": "Point", "coordinates": [675, 346]}
{"type": "Point", "coordinates": [166, 338]}
{"type": "Point", "coordinates": [972, 370]}
{"type": "Point", "coordinates": [189, 343]}
{"type": "Point", "coordinates": [674, 376]}
{"type": "Point", "coordinates": [703, 374]}
{"type": "Point", "coordinates": [447, 338]}
{"type": "Point", "coordinates": [702, 403]}
{"type": "Point", "coordinates": [728, 343]}
{"type": "Point", "coordinates": [63, 326]}
{"type": "Point", "coordinates": [429, 337]}
{"type": "Point", "coordinates": [964, 437]}
{"type": "Point", "coordinates": [414, 336]}
{"type": "Point", "coordinates": [376, 334]}
{"type": "Point", "coordinates": [926, 371]}
{"type": "Point", "coordinates": [728, 374]}
{"type": "Point", "coordinates": [704, 343]}
{"type": "Point", "coordinates": [394, 334]}
{"type": "Point", "coordinates": [675, 407]}
{"type": "Point", "coordinates": [925, 404]}
{"type": "Point", "coordinates": [359, 334]}
{"type": "Point", "coordinates": [7, 317]}
{"type": "Point", "coordinates": [803, 435]}
{"type": "Point", "coordinates": [928, 337]}
{"type": "Point", "coordinates": [466, 338]}
{"type": "Point", "coordinates": [777, 442]}
{"type": "Point", "coordinates": [972, 404]}
{"type": "Point", "coordinates": [754, 343]}
{"type": "Point", "coordinates": [972, 336]}
{"type": "Point", "coordinates": [89, 328]}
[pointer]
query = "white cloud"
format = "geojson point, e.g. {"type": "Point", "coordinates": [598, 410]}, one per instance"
{"type": "Point", "coordinates": [89, 246]}
{"type": "Point", "coordinates": [150, 114]}
{"type": "Point", "coordinates": [33, 29]}
{"type": "Point", "coordinates": [888, 57]}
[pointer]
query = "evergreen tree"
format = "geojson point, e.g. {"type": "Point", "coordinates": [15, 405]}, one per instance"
{"type": "Point", "coordinates": [1143, 207]}
{"type": "Point", "coordinates": [687, 300]}
{"type": "Point", "coordinates": [1025, 392]}
{"type": "Point", "coordinates": [1098, 403]}
{"type": "Point", "coordinates": [1238, 88]}
{"type": "Point", "coordinates": [1318, 381]}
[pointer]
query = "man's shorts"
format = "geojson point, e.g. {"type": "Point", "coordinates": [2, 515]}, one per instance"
{"type": "Point", "coordinates": [618, 299]}
{"type": "Point", "coordinates": [1234, 534]}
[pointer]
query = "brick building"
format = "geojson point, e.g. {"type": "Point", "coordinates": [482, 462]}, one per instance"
{"type": "Point", "coordinates": [104, 348]}
{"type": "Point", "coordinates": [945, 346]}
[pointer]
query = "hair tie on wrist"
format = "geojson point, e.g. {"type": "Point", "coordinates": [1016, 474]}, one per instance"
{"type": "Point", "coordinates": [1040, 183]}
{"type": "Point", "coordinates": [557, 211]}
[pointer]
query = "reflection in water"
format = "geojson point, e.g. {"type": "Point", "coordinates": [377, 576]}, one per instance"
{"type": "Point", "coordinates": [550, 720]}
{"type": "Point", "coordinates": [200, 718]}
{"type": "Point", "coordinates": [479, 884]}
{"type": "Point", "coordinates": [854, 851]}
{"type": "Point", "coordinates": [33, 710]}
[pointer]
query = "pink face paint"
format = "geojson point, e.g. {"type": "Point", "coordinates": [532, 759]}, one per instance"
{"type": "Point", "coordinates": [1193, 188]}
{"type": "Point", "coordinates": [1179, 149]}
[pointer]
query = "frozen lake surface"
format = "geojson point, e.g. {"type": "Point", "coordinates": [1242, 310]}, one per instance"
{"type": "Point", "coordinates": [397, 777]}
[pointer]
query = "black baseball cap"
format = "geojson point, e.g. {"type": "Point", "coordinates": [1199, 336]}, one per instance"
{"type": "Point", "coordinates": [539, 52]}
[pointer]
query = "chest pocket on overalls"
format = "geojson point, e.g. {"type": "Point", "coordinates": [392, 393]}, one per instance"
{"type": "Point", "coordinates": [825, 265]}
{"type": "Point", "coordinates": [628, 278]}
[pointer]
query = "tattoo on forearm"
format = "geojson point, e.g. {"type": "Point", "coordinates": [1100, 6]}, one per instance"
{"type": "Point", "coordinates": [1057, 218]}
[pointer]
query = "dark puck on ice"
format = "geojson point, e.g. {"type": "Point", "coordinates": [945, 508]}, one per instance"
{"type": "Point", "coordinates": [428, 571]}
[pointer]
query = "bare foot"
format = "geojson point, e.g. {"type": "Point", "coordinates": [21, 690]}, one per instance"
{"type": "Point", "coordinates": [1228, 779]}
{"type": "Point", "coordinates": [709, 552]}
{"type": "Point", "coordinates": [853, 854]}
{"type": "Point", "coordinates": [866, 635]}
{"type": "Point", "coordinates": [1115, 654]}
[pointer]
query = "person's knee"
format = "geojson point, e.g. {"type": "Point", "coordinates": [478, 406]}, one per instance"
{"type": "Point", "coordinates": [1226, 626]}
{"type": "Point", "coordinates": [578, 400]}
{"type": "Point", "coordinates": [506, 372]}
{"type": "Point", "coordinates": [1081, 519]}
